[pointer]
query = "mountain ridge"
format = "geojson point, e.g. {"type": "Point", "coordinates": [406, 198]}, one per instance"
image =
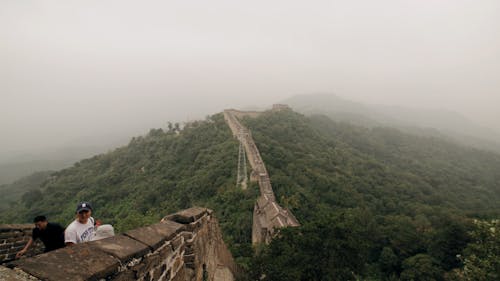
{"type": "Point", "coordinates": [442, 123]}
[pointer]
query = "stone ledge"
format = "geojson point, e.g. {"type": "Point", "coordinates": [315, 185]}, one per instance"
{"type": "Point", "coordinates": [79, 262]}
{"type": "Point", "coordinates": [187, 216]}
{"type": "Point", "coordinates": [156, 234]}
{"type": "Point", "coordinates": [122, 247]}
{"type": "Point", "coordinates": [14, 227]}
{"type": "Point", "coordinates": [8, 274]}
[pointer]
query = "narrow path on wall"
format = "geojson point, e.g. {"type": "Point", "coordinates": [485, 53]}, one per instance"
{"type": "Point", "coordinates": [268, 214]}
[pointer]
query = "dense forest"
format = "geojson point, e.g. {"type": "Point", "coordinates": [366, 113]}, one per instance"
{"type": "Point", "coordinates": [374, 203]}
{"type": "Point", "coordinates": [425, 122]}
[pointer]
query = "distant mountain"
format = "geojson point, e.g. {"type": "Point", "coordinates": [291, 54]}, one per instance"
{"type": "Point", "coordinates": [15, 165]}
{"type": "Point", "coordinates": [445, 124]}
{"type": "Point", "coordinates": [12, 193]}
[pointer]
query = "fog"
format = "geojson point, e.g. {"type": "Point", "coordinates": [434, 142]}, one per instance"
{"type": "Point", "coordinates": [91, 72]}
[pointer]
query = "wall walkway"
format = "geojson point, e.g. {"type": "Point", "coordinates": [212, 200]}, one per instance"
{"type": "Point", "coordinates": [268, 215]}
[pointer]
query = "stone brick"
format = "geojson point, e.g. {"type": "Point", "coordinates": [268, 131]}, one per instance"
{"type": "Point", "coordinates": [156, 234]}
{"type": "Point", "coordinates": [151, 262]}
{"type": "Point", "coordinates": [79, 262]}
{"type": "Point", "coordinates": [177, 242]}
{"type": "Point", "coordinates": [177, 263]}
{"type": "Point", "coordinates": [127, 275]}
{"type": "Point", "coordinates": [7, 274]}
{"type": "Point", "coordinates": [187, 216]}
{"type": "Point", "coordinates": [4, 235]}
{"type": "Point", "coordinates": [180, 275]}
{"type": "Point", "coordinates": [166, 252]}
{"type": "Point", "coordinates": [139, 269]}
{"type": "Point", "coordinates": [168, 274]}
{"type": "Point", "coordinates": [189, 258]}
{"type": "Point", "coordinates": [122, 247]}
{"type": "Point", "coordinates": [158, 272]}
{"type": "Point", "coordinates": [19, 243]}
{"type": "Point", "coordinates": [10, 256]}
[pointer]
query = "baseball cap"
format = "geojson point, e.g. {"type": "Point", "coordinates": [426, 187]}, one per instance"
{"type": "Point", "coordinates": [83, 206]}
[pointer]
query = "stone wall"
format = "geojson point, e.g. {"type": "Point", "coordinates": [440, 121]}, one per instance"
{"type": "Point", "coordinates": [268, 215]}
{"type": "Point", "coordinates": [13, 238]}
{"type": "Point", "coordinates": [241, 114]}
{"type": "Point", "coordinates": [187, 245]}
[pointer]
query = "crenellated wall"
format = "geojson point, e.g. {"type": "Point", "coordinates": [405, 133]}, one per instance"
{"type": "Point", "coordinates": [13, 238]}
{"type": "Point", "coordinates": [268, 215]}
{"type": "Point", "coordinates": [187, 245]}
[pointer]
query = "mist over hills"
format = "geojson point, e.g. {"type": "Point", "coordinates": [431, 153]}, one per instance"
{"type": "Point", "coordinates": [444, 124]}
{"type": "Point", "coordinates": [441, 123]}
{"type": "Point", "coordinates": [390, 198]}
{"type": "Point", "coordinates": [17, 164]}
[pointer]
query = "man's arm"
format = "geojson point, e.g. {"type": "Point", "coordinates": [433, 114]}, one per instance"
{"type": "Point", "coordinates": [25, 249]}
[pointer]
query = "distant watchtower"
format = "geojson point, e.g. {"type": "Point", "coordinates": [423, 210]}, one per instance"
{"type": "Point", "coordinates": [280, 107]}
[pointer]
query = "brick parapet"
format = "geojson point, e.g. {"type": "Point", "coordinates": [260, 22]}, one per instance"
{"type": "Point", "coordinates": [13, 238]}
{"type": "Point", "coordinates": [187, 245]}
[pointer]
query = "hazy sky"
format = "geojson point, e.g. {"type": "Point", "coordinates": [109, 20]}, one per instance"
{"type": "Point", "coordinates": [72, 70]}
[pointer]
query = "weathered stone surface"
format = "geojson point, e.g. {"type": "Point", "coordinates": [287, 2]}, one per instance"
{"type": "Point", "coordinates": [154, 235]}
{"type": "Point", "coordinates": [223, 273]}
{"type": "Point", "coordinates": [122, 247]}
{"type": "Point", "coordinates": [188, 215]}
{"type": "Point", "coordinates": [151, 262]}
{"type": "Point", "coordinates": [177, 242]}
{"type": "Point", "coordinates": [11, 227]}
{"type": "Point", "coordinates": [7, 274]}
{"type": "Point", "coordinates": [166, 252]}
{"type": "Point", "coordinates": [127, 275]}
{"type": "Point", "coordinates": [180, 275]}
{"type": "Point", "coordinates": [13, 237]}
{"type": "Point", "coordinates": [79, 262]}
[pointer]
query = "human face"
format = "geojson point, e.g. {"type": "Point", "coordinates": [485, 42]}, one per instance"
{"type": "Point", "coordinates": [41, 225]}
{"type": "Point", "coordinates": [83, 216]}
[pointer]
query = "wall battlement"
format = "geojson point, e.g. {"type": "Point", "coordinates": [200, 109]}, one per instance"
{"type": "Point", "coordinates": [13, 238]}
{"type": "Point", "coordinates": [186, 245]}
{"type": "Point", "coordinates": [268, 215]}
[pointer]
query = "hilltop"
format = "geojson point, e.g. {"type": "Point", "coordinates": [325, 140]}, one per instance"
{"type": "Point", "coordinates": [372, 201]}
{"type": "Point", "coordinates": [423, 122]}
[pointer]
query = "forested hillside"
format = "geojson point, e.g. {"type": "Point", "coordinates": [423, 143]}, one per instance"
{"type": "Point", "coordinates": [374, 204]}
{"type": "Point", "coordinates": [154, 175]}
{"type": "Point", "coordinates": [427, 122]}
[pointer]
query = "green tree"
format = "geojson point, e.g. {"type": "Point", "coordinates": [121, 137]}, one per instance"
{"type": "Point", "coordinates": [388, 261]}
{"type": "Point", "coordinates": [421, 267]}
{"type": "Point", "coordinates": [482, 256]}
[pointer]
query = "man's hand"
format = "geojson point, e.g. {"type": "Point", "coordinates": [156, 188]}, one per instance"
{"type": "Point", "coordinates": [20, 253]}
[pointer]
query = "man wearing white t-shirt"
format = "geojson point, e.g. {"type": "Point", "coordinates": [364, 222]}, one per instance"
{"type": "Point", "coordinates": [82, 228]}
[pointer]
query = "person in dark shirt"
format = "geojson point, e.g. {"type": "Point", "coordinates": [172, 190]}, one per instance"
{"type": "Point", "coordinates": [51, 234]}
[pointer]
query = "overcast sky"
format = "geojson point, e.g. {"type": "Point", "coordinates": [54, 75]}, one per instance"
{"type": "Point", "coordinates": [72, 70]}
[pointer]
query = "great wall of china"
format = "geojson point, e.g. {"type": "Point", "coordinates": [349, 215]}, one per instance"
{"type": "Point", "coordinates": [268, 215]}
{"type": "Point", "coordinates": [187, 245]}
